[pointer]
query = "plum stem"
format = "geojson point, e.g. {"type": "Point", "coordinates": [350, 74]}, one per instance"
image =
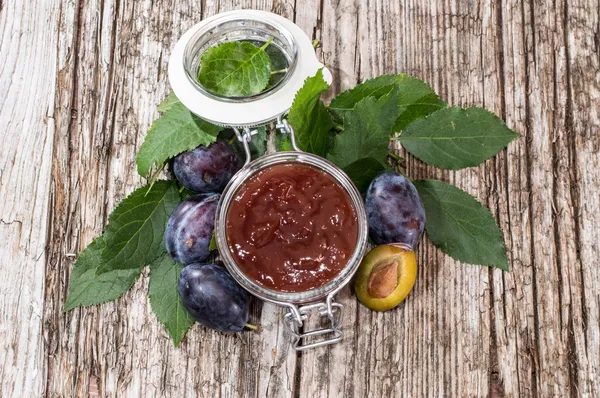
{"type": "Point", "coordinates": [154, 178]}
{"type": "Point", "coordinates": [338, 126]}
{"type": "Point", "coordinates": [400, 163]}
{"type": "Point", "coordinates": [397, 158]}
{"type": "Point", "coordinates": [257, 328]}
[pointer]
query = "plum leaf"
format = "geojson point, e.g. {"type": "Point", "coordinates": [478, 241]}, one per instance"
{"type": "Point", "coordinates": [177, 130]}
{"type": "Point", "coordinates": [309, 118]}
{"type": "Point", "coordinates": [363, 171]}
{"type": "Point", "coordinates": [235, 69]}
{"type": "Point", "coordinates": [135, 232]}
{"type": "Point", "coordinates": [213, 243]}
{"type": "Point", "coordinates": [455, 138]}
{"type": "Point", "coordinates": [415, 98]}
{"type": "Point", "coordinates": [87, 288]}
{"type": "Point", "coordinates": [164, 298]}
{"type": "Point", "coordinates": [366, 130]}
{"type": "Point", "coordinates": [461, 226]}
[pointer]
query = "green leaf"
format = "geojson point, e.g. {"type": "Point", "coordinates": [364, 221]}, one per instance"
{"type": "Point", "coordinates": [168, 103]}
{"type": "Point", "coordinates": [461, 226]}
{"type": "Point", "coordinates": [283, 142]}
{"type": "Point", "coordinates": [279, 65]}
{"type": "Point", "coordinates": [176, 131]}
{"type": "Point", "coordinates": [366, 130]}
{"type": "Point", "coordinates": [258, 145]}
{"type": "Point", "coordinates": [347, 100]}
{"type": "Point", "coordinates": [309, 118]}
{"type": "Point", "coordinates": [235, 69]}
{"type": "Point", "coordinates": [164, 297]}
{"type": "Point", "coordinates": [363, 171]}
{"type": "Point", "coordinates": [213, 242]}
{"type": "Point", "coordinates": [455, 138]}
{"type": "Point", "coordinates": [135, 231]}
{"type": "Point", "coordinates": [415, 100]}
{"type": "Point", "coordinates": [87, 288]}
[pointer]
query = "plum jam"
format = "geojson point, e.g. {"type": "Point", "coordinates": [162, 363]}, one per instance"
{"type": "Point", "coordinates": [291, 227]}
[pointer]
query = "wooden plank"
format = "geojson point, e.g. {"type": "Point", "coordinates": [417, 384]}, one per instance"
{"type": "Point", "coordinates": [551, 372]}
{"type": "Point", "coordinates": [27, 130]}
{"type": "Point", "coordinates": [513, 293]}
{"type": "Point", "coordinates": [512, 363]}
{"type": "Point", "coordinates": [464, 331]}
{"type": "Point", "coordinates": [579, 209]}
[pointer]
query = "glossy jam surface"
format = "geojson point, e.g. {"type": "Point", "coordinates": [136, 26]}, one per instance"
{"type": "Point", "coordinates": [291, 228]}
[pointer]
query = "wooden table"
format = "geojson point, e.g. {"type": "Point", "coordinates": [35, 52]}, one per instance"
{"type": "Point", "coordinates": [79, 85]}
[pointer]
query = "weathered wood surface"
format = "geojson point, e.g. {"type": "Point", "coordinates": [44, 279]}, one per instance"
{"type": "Point", "coordinates": [79, 82]}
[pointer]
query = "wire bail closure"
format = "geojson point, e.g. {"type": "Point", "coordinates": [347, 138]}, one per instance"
{"type": "Point", "coordinates": [329, 310]}
{"type": "Point", "coordinates": [284, 127]}
{"type": "Point", "coordinates": [245, 136]}
{"type": "Point", "coordinates": [295, 316]}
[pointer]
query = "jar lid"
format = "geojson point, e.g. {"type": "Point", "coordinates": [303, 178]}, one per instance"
{"type": "Point", "coordinates": [248, 112]}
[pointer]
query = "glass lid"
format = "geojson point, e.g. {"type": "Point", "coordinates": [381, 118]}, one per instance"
{"type": "Point", "coordinates": [292, 47]}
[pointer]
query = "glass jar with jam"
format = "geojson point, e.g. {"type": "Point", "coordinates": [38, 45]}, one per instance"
{"type": "Point", "coordinates": [291, 227]}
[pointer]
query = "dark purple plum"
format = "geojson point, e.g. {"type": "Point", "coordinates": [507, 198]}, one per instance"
{"type": "Point", "coordinates": [190, 228]}
{"type": "Point", "coordinates": [213, 297]}
{"type": "Point", "coordinates": [207, 169]}
{"type": "Point", "coordinates": [394, 210]}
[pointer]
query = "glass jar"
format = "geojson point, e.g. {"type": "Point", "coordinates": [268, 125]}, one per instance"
{"type": "Point", "coordinates": [326, 292]}
{"type": "Point", "coordinates": [243, 113]}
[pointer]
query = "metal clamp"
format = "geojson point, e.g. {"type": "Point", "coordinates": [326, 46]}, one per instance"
{"type": "Point", "coordinates": [245, 136]}
{"type": "Point", "coordinates": [284, 127]}
{"type": "Point", "coordinates": [295, 317]}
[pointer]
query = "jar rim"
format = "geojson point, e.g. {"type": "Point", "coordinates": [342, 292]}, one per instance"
{"type": "Point", "coordinates": [275, 296]}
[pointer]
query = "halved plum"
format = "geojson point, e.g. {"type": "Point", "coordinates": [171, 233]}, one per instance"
{"type": "Point", "coordinates": [386, 276]}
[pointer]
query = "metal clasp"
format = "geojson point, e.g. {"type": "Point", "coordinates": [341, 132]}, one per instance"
{"type": "Point", "coordinates": [284, 127]}
{"type": "Point", "coordinates": [245, 136]}
{"type": "Point", "coordinates": [295, 317]}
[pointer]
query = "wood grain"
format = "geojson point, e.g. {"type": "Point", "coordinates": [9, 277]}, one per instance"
{"type": "Point", "coordinates": [79, 83]}
{"type": "Point", "coordinates": [28, 52]}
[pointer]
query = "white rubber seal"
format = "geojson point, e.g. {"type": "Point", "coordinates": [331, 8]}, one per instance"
{"type": "Point", "coordinates": [254, 112]}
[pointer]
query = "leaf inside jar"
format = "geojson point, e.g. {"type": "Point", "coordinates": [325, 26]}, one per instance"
{"type": "Point", "coordinates": [240, 68]}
